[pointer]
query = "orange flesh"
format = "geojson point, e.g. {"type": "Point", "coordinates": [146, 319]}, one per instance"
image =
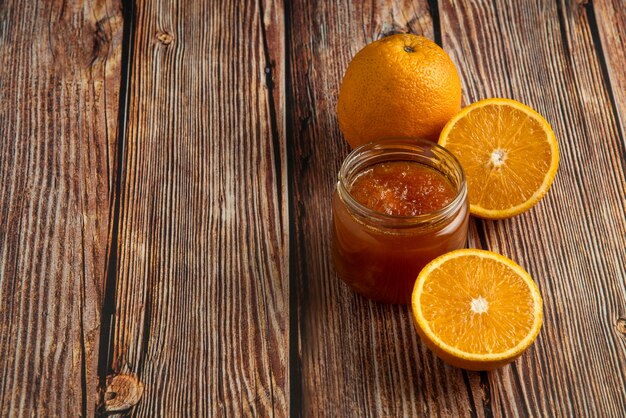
{"type": "Point", "coordinates": [402, 188]}
{"type": "Point", "coordinates": [505, 155]}
{"type": "Point", "coordinates": [454, 293]}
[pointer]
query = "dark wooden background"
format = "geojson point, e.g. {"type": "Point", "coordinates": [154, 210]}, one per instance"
{"type": "Point", "coordinates": [165, 175]}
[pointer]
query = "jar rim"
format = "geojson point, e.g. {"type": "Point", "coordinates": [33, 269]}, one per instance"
{"type": "Point", "coordinates": [400, 146]}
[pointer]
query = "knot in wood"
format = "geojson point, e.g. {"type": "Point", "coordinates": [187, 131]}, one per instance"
{"type": "Point", "coordinates": [122, 393]}
{"type": "Point", "coordinates": [621, 326]}
{"type": "Point", "coordinates": [390, 31]}
{"type": "Point", "coordinates": [165, 38]}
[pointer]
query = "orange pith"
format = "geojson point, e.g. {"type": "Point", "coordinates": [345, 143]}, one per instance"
{"type": "Point", "coordinates": [476, 309]}
{"type": "Point", "coordinates": [509, 154]}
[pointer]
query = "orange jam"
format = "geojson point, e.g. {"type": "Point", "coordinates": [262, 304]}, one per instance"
{"type": "Point", "coordinates": [402, 188]}
{"type": "Point", "coordinates": [398, 205]}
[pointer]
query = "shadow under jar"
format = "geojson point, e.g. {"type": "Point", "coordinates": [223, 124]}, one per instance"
{"type": "Point", "coordinates": [380, 255]}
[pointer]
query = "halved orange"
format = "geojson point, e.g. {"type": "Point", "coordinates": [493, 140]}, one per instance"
{"type": "Point", "coordinates": [509, 154]}
{"type": "Point", "coordinates": [476, 309]}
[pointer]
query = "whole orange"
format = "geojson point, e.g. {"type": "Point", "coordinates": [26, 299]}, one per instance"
{"type": "Point", "coordinates": [400, 86]}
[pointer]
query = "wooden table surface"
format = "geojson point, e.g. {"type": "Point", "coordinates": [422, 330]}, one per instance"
{"type": "Point", "coordinates": [166, 170]}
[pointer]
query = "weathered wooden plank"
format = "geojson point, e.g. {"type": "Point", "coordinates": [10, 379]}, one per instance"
{"type": "Point", "coordinates": [610, 18]}
{"type": "Point", "coordinates": [59, 81]}
{"type": "Point", "coordinates": [202, 288]}
{"type": "Point", "coordinates": [543, 54]}
{"type": "Point", "coordinates": [354, 358]}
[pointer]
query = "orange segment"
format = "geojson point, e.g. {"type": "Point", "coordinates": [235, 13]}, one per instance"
{"type": "Point", "coordinates": [509, 154]}
{"type": "Point", "coordinates": [476, 309]}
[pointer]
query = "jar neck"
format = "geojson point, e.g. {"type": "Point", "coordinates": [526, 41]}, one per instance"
{"type": "Point", "coordinates": [413, 149]}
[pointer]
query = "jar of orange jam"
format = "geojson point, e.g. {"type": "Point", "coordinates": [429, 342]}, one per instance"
{"type": "Point", "coordinates": [398, 204]}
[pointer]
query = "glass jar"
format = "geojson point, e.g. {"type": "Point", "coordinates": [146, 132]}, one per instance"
{"type": "Point", "coordinates": [379, 255]}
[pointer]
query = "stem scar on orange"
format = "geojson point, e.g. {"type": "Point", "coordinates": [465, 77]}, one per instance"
{"type": "Point", "coordinates": [399, 86]}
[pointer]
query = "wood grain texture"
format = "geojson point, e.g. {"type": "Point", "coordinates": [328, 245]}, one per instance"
{"type": "Point", "coordinates": [202, 286]}
{"type": "Point", "coordinates": [610, 18]}
{"type": "Point", "coordinates": [572, 243]}
{"type": "Point", "coordinates": [226, 300]}
{"type": "Point", "coordinates": [59, 81]}
{"type": "Point", "coordinates": [354, 358]}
